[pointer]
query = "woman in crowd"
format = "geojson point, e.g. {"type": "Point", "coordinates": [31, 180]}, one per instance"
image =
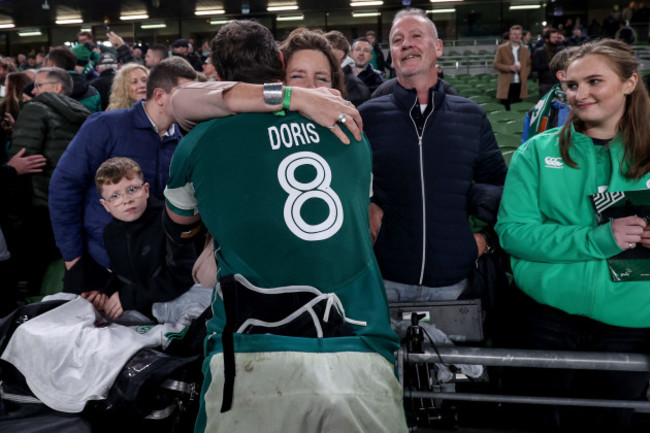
{"type": "Point", "coordinates": [310, 61]}
{"type": "Point", "coordinates": [13, 101]}
{"type": "Point", "coordinates": [559, 252]}
{"type": "Point", "coordinates": [129, 86]}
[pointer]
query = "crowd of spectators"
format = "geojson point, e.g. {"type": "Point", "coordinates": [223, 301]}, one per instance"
{"type": "Point", "coordinates": [89, 182]}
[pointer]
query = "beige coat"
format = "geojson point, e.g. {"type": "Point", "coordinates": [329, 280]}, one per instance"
{"type": "Point", "coordinates": [502, 62]}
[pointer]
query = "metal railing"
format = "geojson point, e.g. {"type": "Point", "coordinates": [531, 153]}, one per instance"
{"type": "Point", "coordinates": [526, 358]}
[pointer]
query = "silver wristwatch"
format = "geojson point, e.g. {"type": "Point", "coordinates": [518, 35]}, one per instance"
{"type": "Point", "coordinates": [273, 93]}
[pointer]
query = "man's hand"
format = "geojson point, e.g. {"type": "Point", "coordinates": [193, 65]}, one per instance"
{"type": "Point", "coordinates": [27, 164]}
{"type": "Point", "coordinates": [324, 106]}
{"type": "Point", "coordinates": [113, 306]}
{"type": "Point", "coordinates": [115, 39]}
{"type": "Point", "coordinates": [376, 215]}
{"type": "Point", "coordinates": [630, 231]}
{"type": "Point", "coordinates": [481, 244]}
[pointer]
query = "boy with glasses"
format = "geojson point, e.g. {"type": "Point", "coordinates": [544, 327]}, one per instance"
{"type": "Point", "coordinates": [146, 266]}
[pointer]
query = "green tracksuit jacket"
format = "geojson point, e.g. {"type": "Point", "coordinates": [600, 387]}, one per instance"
{"type": "Point", "coordinates": [548, 225]}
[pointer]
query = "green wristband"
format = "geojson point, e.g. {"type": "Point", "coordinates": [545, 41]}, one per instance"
{"type": "Point", "coordinates": [287, 98]}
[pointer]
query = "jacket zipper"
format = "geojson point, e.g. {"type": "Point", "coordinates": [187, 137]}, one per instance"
{"type": "Point", "coordinates": [424, 210]}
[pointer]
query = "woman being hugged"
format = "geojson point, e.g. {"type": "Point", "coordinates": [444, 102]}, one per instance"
{"type": "Point", "coordinates": [559, 252]}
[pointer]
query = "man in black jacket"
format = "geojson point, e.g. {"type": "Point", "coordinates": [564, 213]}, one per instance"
{"type": "Point", "coordinates": [46, 125]}
{"type": "Point", "coordinates": [432, 152]}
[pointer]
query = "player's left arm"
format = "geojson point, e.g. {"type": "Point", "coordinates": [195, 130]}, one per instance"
{"type": "Point", "coordinates": [181, 228]}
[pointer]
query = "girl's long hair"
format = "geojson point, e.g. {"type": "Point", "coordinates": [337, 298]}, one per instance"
{"type": "Point", "coordinates": [635, 122]}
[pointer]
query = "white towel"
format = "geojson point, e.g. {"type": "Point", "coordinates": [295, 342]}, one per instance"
{"type": "Point", "coordinates": [67, 360]}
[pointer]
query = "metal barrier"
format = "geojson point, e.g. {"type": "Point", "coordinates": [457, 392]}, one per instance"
{"type": "Point", "coordinates": [526, 358]}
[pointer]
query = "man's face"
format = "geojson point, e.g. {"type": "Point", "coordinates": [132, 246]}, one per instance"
{"type": "Point", "coordinates": [43, 84]}
{"type": "Point", "coordinates": [137, 53]}
{"type": "Point", "coordinates": [370, 38]}
{"type": "Point", "coordinates": [82, 39]}
{"type": "Point", "coordinates": [413, 47]}
{"type": "Point", "coordinates": [166, 97]}
{"type": "Point", "coordinates": [362, 53]}
{"type": "Point", "coordinates": [151, 59]}
{"type": "Point", "coordinates": [554, 38]}
{"type": "Point", "coordinates": [515, 36]}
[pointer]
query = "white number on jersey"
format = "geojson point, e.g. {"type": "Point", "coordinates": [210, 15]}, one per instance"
{"type": "Point", "coordinates": [299, 193]}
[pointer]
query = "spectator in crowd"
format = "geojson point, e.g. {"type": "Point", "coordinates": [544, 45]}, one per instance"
{"type": "Point", "coordinates": [147, 134]}
{"type": "Point", "coordinates": [39, 60]}
{"type": "Point", "coordinates": [378, 61]}
{"type": "Point", "coordinates": [612, 21]}
{"type": "Point", "coordinates": [357, 90]}
{"type": "Point", "coordinates": [146, 265]}
{"type": "Point", "coordinates": [310, 61]}
{"type": "Point", "coordinates": [553, 109]}
{"type": "Point", "coordinates": [430, 150]}
{"type": "Point", "coordinates": [361, 54]}
{"type": "Point", "coordinates": [12, 104]}
{"type": "Point", "coordinates": [625, 33]}
{"type": "Point", "coordinates": [527, 39]}
{"type": "Point", "coordinates": [46, 125]}
{"type": "Point", "coordinates": [628, 12]}
{"type": "Point", "coordinates": [107, 67]}
{"type": "Point", "coordinates": [124, 52]}
{"type": "Point", "coordinates": [209, 70]}
{"type": "Point", "coordinates": [6, 66]}
{"type": "Point", "coordinates": [363, 358]}
{"type": "Point", "coordinates": [155, 54]}
{"type": "Point", "coordinates": [542, 57]}
{"type": "Point", "coordinates": [559, 254]}
{"type": "Point", "coordinates": [577, 37]}
{"type": "Point", "coordinates": [181, 48]}
{"type": "Point", "coordinates": [512, 62]}
{"type": "Point", "coordinates": [21, 62]}
{"type": "Point", "coordinates": [137, 56]}
{"type": "Point", "coordinates": [62, 57]}
{"type": "Point", "coordinates": [129, 86]}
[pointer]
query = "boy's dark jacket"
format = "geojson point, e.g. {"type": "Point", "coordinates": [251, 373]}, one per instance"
{"type": "Point", "coordinates": [146, 265]}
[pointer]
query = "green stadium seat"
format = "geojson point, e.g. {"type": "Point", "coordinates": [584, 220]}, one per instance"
{"type": "Point", "coordinates": [515, 127]}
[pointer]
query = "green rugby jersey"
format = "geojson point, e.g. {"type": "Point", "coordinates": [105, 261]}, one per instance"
{"type": "Point", "coordinates": [287, 204]}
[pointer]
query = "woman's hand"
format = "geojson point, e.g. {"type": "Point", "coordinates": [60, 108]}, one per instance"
{"type": "Point", "coordinates": [645, 236]}
{"type": "Point", "coordinates": [324, 106]}
{"type": "Point", "coordinates": [27, 164]}
{"type": "Point", "coordinates": [8, 122]}
{"type": "Point", "coordinates": [630, 231]}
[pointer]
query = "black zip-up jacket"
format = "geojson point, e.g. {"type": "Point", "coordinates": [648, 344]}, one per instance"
{"type": "Point", "coordinates": [424, 167]}
{"type": "Point", "coordinates": [146, 265]}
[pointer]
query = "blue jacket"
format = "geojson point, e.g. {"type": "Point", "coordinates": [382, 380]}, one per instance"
{"type": "Point", "coordinates": [422, 183]}
{"type": "Point", "coordinates": [78, 219]}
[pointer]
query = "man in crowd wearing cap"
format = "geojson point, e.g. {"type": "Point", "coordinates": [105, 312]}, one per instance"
{"type": "Point", "coordinates": [62, 57]}
{"type": "Point", "coordinates": [107, 67]}
{"type": "Point", "coordinates": [181, 47]}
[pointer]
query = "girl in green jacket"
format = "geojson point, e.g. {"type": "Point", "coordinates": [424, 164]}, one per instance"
{"type": "Point", "coordinates": [559, 252]}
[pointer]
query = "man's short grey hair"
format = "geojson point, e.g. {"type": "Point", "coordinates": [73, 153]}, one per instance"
{"type": "Point", "coordinates": [415, 12]}
{"type": "Point", "coordinates": [60, 76]}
